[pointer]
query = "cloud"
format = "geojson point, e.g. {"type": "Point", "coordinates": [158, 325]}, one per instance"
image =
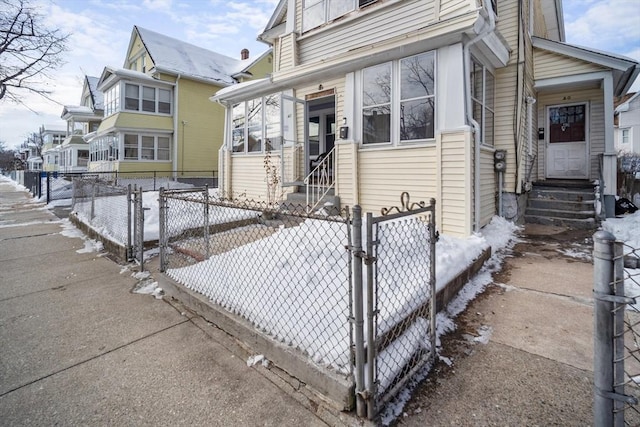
{"type": "Point", "coordinates": [610, 25]}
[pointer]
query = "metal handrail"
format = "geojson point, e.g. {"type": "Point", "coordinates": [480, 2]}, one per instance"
{"type": "Point", "coordinates": [320, 180]}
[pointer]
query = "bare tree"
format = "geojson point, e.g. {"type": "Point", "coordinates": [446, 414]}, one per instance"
{"type": "Point", "coordinates": [8, 157]}
{"type": "Point", "coordinates": [29, 50]}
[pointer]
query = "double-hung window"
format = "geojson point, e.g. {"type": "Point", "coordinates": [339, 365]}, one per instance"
{"type": "Point", "coordinates": [482, 99]}
{"type": "Point", "coordinates": [256, 125]}
{"type": "Point", "coordinates": [398, 100]}
{"type": "Point", "coordinates": [148, 99]}
{"type": "Point", "coordinates": [625, 136]}
{"type": "Point", "coordinates": [317, 12]}
{"type": "Point", "coordinates": [147, 147]}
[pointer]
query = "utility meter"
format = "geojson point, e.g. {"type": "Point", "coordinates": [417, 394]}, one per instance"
{"type": "Point", "coordinates": [500, 160]}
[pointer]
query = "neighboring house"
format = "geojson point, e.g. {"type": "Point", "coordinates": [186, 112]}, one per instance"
{"type": "Point", "coordinates": [627, 118]}
{"type": "Point", "coordinates": [30, 157]}
{"type": "Point", "coordinates": [82, 123]}
{"type": "Point", "coordinates": [52, 137]}
{"type": "Point", "coordinates": [388, 96]}
{"type": "Point", "coordinates": [157, 116]}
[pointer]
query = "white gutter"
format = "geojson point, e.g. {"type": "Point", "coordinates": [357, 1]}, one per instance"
{"type": "Point", "coordinates": [468, 109]}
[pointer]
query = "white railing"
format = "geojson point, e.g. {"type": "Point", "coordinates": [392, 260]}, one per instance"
{"type": "Point", "coordinates": [321, 180]}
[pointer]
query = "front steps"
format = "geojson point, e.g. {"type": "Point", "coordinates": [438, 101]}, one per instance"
{"type": "Point", "coordinates": [563, 203]}
{"type": "Point", "coordinates": [300, 198]}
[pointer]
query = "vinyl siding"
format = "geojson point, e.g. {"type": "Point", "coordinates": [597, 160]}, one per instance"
{"type": "Point", "coordinates": [386, 173]}
{"type": "Point", "coordinates": [595, 99]}
{"type": "Point", "coordinates": [455, 192]}
{"type": "Point", "coordinates": [453, 7]}
{"type": "Point", "coordinates": [373, 28]}
{"type": "Point", "coordinates": [200, 138]}
{"type": "Point", "coordinates": [248, 177]}
{"type": "Point", "coordinates": [549, 65]}
{"type": "Point", "coordinates": [347, 173]}
{"type": "Point", "coordinates": [287, 52]}
{"type": "Point", "coordinates": [488, 187]}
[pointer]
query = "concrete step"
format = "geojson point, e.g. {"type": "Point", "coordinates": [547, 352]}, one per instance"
{"type": "Point", "coordinates": [580, 224]}
{"type": "Point", "coordinates": [560, 194]}
{"type": "Point", "coordinates": [561, 213]}
{"type": "Point", "coordinates": [300, 198]}
{"type": "Point", "coordinates": [555, 204]}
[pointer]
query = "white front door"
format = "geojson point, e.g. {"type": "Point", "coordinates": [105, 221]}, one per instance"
{"type": "Point", "coordinates": [568, 141]}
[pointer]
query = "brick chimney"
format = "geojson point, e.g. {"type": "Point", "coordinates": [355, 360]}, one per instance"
{"type": "Point", "coordinates": [244, 54]}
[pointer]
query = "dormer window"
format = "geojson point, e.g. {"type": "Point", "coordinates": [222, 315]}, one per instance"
{"type": "Point", "coordinates": [318, 12]}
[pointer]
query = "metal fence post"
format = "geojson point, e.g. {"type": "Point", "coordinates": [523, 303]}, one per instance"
{"type": "Point", "coordinates": [48, 187]}
{"type": "Point", "coordinates": [371, 320]}
{"type": "Point", "coordinates": [603, 254]}
{"type": "Point", "coordinates": [129, 201]}
{"type": "Point", "coordinates": [618, 335]}
{"type": "Point", "coordinates": [433, 303]}
{"type": "Point", "coordinates": [93, 199]}
{"type": "Point", "coordinates": [140, 237]}
{"type": "Point", "coordinates": [206, 221]}
{"type": "Point", "coordinates": [162, 232]}
{"type": "Point", "coordinates": [135, 223]}
{"type": "Point", "coordinates": [357, 253]}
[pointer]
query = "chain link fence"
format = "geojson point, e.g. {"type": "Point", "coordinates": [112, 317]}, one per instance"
{"type": "Point", "coordinates": [115, 213]}
{"type": "Point", "coordinates": [284, 271]}
{"type": "Point", "coordinates": [617, 332]}
{"type": "Point", "coordinates": [354, 295]}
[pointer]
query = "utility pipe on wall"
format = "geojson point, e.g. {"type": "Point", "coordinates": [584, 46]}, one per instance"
{"type": "Point", "coordinates": [468, 109]}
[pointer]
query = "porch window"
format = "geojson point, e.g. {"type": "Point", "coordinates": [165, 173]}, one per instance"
{"type": "Point", "coordinates": [567, 123]}
{"type": "Point", "coordinates": [147, 147]}
{"type": "Point", "coordinates": [398, 100]}
{"type": "Point", "coordinates": [255, 125]}
{"type": "Point", "coordinates": [482, 100]}
{"type": "Point", "coordinates": [131, 147]}
{"type": "Point", "coordinates": [237, 141]}
{"type": "Point", "coordinates": [131, 95]}
{"type": "Point", "coordinates": [112, 100]}
{"type": "Point", "coordinates": [147, 99]}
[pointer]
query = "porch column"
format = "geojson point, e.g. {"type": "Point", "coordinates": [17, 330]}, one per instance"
{"type": "Point", "coordinates": [610, 161]}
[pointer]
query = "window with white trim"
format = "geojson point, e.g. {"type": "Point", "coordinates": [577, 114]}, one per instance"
{"type": "Point", "coordinates": [318, 12]}
{"type": "Point", "coordinates": [147, 99]}
{"type": "Point", "coordinates": [256, 125]}
{"type": "Point", "coordinates": [398, 100]}
{"type": "Point", "coordinates": [147, 147]}
{"type": "Point", "coordinates": [482, 100]}
{"type": "Point", "coordinates": [624, 136]}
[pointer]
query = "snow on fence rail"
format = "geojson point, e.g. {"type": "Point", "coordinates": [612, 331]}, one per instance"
{"type": "Point", "coordinates": [301, 279]}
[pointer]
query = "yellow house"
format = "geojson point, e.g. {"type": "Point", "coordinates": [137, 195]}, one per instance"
{"type": "Point", "coordinates": [470, 102]}
{"type": "Point", "coordinates": [82, 123]}
{"type": "Point", "coordinates": [157, 117]}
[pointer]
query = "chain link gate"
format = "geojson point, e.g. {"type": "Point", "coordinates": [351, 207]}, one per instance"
{"type": "Point", "coordinates": [396, 330]}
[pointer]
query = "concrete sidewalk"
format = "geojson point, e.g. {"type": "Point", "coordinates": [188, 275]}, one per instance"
{"type": "Point", "coordinates": [77, 347]}
{"type": "Point", "coordinates": [523, 350]}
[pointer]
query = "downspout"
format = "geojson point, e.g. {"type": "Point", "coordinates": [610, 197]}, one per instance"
{"type": "Point", "coordinates": [175, 129]}
{"type": "Point", "coordinates": [468, 109]}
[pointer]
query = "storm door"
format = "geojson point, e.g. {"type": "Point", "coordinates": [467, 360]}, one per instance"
{"type": "Point", "coordinates": [567, 142]}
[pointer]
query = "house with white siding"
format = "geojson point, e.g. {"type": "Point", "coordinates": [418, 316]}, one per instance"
{"type": "Point", "coordinates": [628, 126]}
{"type": "Point", "coordinates": [82, 123]}
{"type": "Point", "coordinates": [372, 98]}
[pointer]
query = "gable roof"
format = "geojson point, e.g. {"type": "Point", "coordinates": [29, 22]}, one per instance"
{"type": "Point", "coordinates": [96, 95]}
{"type": "Point", "coordinates": [624, 70]}
{"type": "Point", "coordinates": [624, 106]}
{"type": "Point", "coordinates": [175, 57]}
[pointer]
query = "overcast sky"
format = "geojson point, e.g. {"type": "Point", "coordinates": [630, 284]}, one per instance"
{"type": "Point", "coordinates": [101, 30]}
